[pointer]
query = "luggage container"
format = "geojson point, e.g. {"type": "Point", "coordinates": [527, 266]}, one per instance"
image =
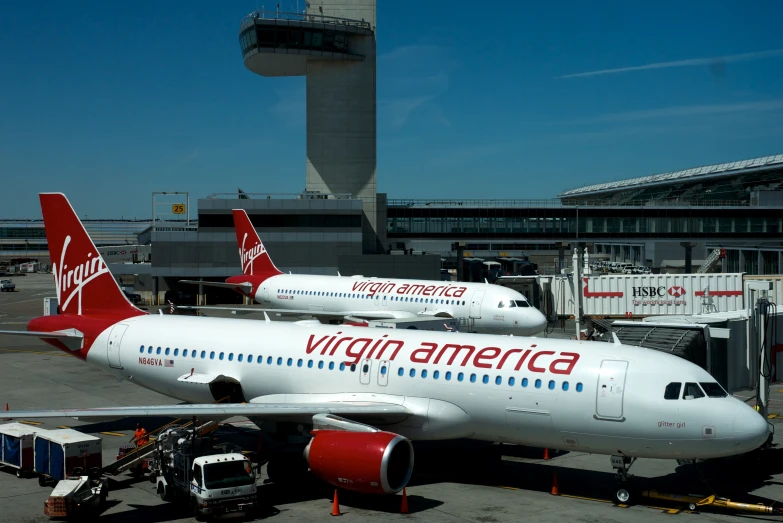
{"type": "Point", "coordinates": [661, 294]}
{"type": "Point", "coordinates": [16, 447]}
{"type": "Point", "coordinates": [59, 452]}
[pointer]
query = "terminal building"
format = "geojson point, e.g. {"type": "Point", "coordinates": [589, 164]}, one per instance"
{"type": "Point", "coordinates": [339, 223]}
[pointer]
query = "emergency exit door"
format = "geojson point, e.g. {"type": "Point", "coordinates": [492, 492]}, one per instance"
{"type": "Point", "coordinates": [115, 338]}
{"type": "Point", "coordinates": [475, 304]}
{"type": "Point", "coordinates": [611, 389]}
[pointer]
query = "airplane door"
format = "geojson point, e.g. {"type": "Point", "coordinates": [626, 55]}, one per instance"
{"type": "Point", "coordinates": [475, 304]}
{"type": "Point", "coordinates": [383, 373]}
{"type": "Point", "coordinates": [364, 371]}
{"type": "Point", "coordinates": [265, 294]}
{"type": "Point", "coordinates": [385, 302]}
{"type": "Point", "coordinates": [611, 388]}
{"type": "Point", "coordinates": [115, 338]}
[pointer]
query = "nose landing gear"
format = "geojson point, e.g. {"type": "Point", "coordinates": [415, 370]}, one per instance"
{"type": "Point", "coordinates": [624, 493]}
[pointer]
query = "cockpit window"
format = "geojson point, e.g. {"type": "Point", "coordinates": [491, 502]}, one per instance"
{"type": "Point", "coordinates": [714, 390]}
{"type": "Point", "coordinates": [672, 391]}
{"type": "Point", "coordinates": [506, 303]}
{"type": "Point", "coordinates": [692, 392]}
{"type": "Point", "coordinates": [501, 304]}
{"type": "Point", "coordinates": [522, 303]}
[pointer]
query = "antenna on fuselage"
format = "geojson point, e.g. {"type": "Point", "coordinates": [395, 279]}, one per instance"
{"type": "Point", "coordinates": [338, 273]}
{"type": "Point", "coordinates": [614, 337]}
{"type": "Point", "coordinates": [266, 317]}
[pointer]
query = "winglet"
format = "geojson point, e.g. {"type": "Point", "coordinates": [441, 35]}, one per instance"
{"type": "Point", "coordinates": [252, 253]}
{"type": "Point", "coordinates": [266, 317]}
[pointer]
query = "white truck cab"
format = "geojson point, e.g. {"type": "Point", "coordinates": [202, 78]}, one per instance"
{"type": "Point", "coordinates": [216, 484]}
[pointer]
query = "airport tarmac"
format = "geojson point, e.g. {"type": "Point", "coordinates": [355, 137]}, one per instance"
{"type": "Point", "coordinates": [453, 481]}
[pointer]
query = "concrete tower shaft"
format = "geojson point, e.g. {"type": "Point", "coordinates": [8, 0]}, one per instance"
{"type": "Point", "coordinates": [332, 44]}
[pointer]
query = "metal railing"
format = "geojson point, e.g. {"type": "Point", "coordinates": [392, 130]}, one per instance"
{"type": "Point", "coordinates": [302, 17]}
{"type": "Point", "coordinates": [559, 203]}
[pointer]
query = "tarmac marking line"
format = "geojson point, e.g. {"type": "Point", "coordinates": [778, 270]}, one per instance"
{"type": "Point", "coordinates": [507, 488]}
{"type": "Point", "coordinates": [63, 427]}
{"type": "Point", "coordinates": [113, 434]}
{"type": "Point", "coordinates": [587, 499]}
{"type": "Point", "coordinates": [29, 422]}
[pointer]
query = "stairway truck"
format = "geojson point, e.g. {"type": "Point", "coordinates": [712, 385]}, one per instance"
{"type": "Point", "coordinates": [59, 452]}
{"type": "Point", "coordinates": [214, 485]}
{"type": "Point", "coordinates": [16, 447]}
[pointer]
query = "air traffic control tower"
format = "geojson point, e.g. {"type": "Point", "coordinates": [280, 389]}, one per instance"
{"type": "Point", "coordinates": [331, 44]}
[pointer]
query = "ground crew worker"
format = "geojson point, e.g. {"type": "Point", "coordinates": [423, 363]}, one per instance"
{"type": "Point", "coordinates": [140, 436]}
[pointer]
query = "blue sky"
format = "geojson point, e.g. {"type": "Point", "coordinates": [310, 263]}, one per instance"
{"type": "Point", "coordinates": [109, 101]}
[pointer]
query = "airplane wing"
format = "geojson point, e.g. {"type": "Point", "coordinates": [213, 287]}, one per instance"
{"type": "Point", "coordinates": [247, 287]}
{"type": "Point", "coordinates": [376, 412]}
{"type": "Point", "coordinates": [371, 314]}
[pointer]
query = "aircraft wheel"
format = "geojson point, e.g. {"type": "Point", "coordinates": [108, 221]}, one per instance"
{"type": "Point", "coordinates": [19, 473]}
{"type": "Point", "coordinates": [622, 496]}
{"type": "Point", "coordinates": [692, 507]}
{"type": "Point", "coordinates": [41, 481]}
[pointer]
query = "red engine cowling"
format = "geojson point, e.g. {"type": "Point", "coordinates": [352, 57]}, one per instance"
{"type": "Point", "coordinates": [366, 462]}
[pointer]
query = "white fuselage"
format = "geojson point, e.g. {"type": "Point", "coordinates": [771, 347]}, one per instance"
{"type": "Point", "coordinates": [587, 396]}
{"type": "Point", "coordinates": [490, 308]}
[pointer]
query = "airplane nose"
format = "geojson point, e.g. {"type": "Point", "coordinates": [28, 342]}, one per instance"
{"type": "Point", "coordinates": [751, 430]}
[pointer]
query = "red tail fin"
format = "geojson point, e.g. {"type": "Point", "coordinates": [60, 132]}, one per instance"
{"type": "Point", "coordinates": [85, 287]}
{"type": "Point", "coordinates": [252, 254]}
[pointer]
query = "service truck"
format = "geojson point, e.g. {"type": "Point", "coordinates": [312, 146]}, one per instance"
{"type": "Point", "coordinates": [213, 484]}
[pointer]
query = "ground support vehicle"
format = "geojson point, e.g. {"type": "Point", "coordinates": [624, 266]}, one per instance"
{"type": "Point", "coordinates": [78, 494]}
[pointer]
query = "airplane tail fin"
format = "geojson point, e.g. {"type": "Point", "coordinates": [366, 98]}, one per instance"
{"type": "Point", "coordinates": [84, 285]}
{"type": "Point", "coordinates": [252, 253]}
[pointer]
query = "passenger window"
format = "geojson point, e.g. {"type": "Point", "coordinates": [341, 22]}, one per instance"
{"type": "Point", "coordinates": [714, 390]}
{"type": "Point", "coordinates": [141, 350]}
{"type": "Point", "coordinates": [299, 362]}
{"type": "Point", "coordinates": [203, 354]}
{"type": "Point", "coordinates": [565, 385]}
{"type": "Point", "coordinates": [460, 376]}
{"type": "Point", "coordinates": [331, 365]}
{"type": "Point", "coordinates": [290, 361]}
{"type": "Point", "coordinates": [412, 373]}
{"type": "Point", "coordinates": [240, 358]}
{"type": "Point", "coordinates": [342, 366]}
{"type": "Point", "coordinates": [551, 385]}
{"type": "Point", "coordinates": [221, 356]}
{"type": "Point", "coordinates": [269, 360]}
{"type": "Point", "coordinates": [176, 352]}
{"type": "Point", "coordinates": [511, 381]}
{"type": "Point", "coordinates": [448, 375]}
{"type": "Point", "coordinates": [309, 364]}
{"type": "Point", "coordinates": [524, 382]}
{"type": "Point", "coordinates": [230, 356]}
{"type": "Point", "coordinates": [424, 373]}
{"type": "Point", "coordinates": [185, 353]}
{"type": "Point", "coordinates": [485, 379]}
{"type": "Point", "coordinates": [538, 384]}
{"type": "Point", "coordinates": [167, 351]}
{"type": "Point", "coordinates": [692, 392]}
{"type": "Point", "coordinates": [279, 361]}
{"type": "Point", "coordinates": [353, 367]}
{"type": "Point", "coordinates": [193, 354]}
{"type": "Point", "coordinates": [383, 370]}
{"type": "Point", "coordinates": [498, 380]}
{"type": "Point", "coordinates": [157, 351]}
{"type": "Point", "coordinates": [320, 364]}
{"type": "Point", "coordinates": [579, 387]}
{"type": "Point", "coordinates": [672, 391]}
{"type": "Point", "coordinates": [436, 375]}
{"type": "Point", "coordinates": [473, 378]}
{"type": "Point", "coordinates": [212, 355]}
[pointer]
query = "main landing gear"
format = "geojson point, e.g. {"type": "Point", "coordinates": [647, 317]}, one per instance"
{"type": "Point", "coordinates": [624, 493]}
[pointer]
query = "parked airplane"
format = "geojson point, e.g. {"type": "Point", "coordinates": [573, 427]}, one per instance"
{"type": "Point", "coordinates": [492, 308]}
{"type": "Point", "coordinates": [368, 392]}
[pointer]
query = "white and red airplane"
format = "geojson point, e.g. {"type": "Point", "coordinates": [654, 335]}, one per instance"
{"type": "Point", "coordinates": [492, 308]}
{"type": "Point", "coordinates": [368, 392]}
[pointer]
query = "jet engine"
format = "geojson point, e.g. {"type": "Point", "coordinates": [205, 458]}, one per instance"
{"type": "Point", "coordinates": [366, 462]}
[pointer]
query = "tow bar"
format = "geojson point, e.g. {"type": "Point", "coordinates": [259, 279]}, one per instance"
{"type": "Point", "coordinates": [693, 502]}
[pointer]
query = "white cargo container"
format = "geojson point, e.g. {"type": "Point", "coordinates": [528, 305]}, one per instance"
{"type": "Point", "coordinates": [661, 294]}
{"type": "Point", "coordinates": [16, 447]}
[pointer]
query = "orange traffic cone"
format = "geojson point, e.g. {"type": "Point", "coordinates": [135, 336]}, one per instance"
{"type": "Point", "coordinates": [555, 490]}
{"type": "Point", "coordinates": [335, 505]}
{"type": "Point", "coordinates": [546, 453]}
{"type": "Point", "coordinates": [404, 507]}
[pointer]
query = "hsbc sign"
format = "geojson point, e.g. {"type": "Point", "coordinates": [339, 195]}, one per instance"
{"type": "Point", "coordinates": [674, 295]}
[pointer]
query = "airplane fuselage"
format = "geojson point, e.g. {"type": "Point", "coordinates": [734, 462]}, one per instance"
{"type": "Point", "coordinates": [586, 396]}
{"type": "Point", "coordinates": [490, 308]}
